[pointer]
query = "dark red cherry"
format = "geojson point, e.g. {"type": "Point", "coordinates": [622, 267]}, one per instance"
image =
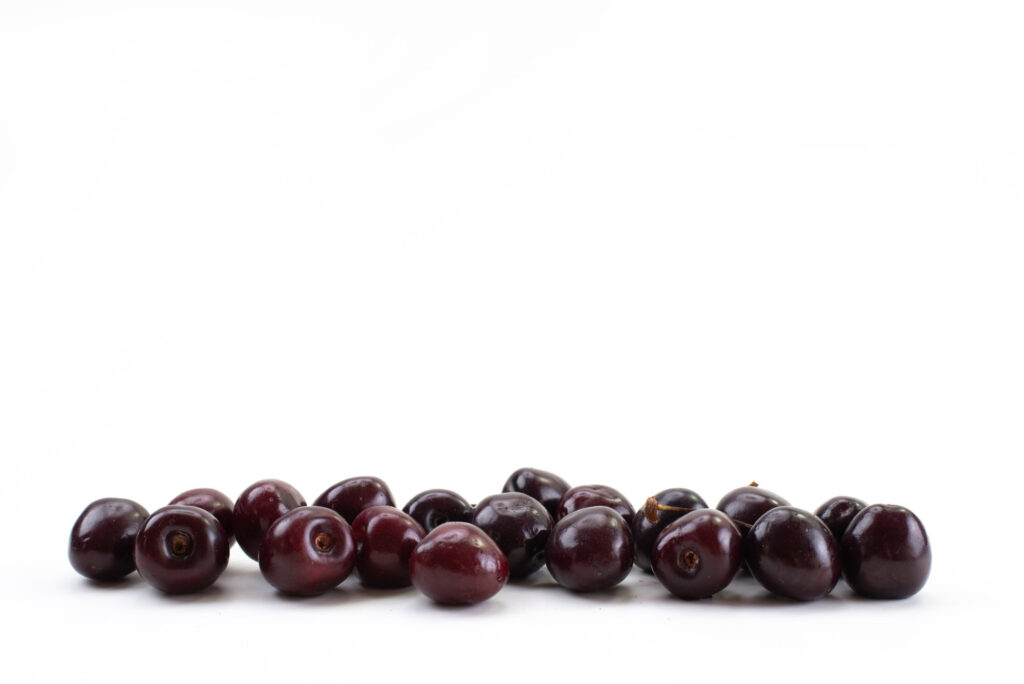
{"type": "Point", "coordinates": [102, 543]}
{"type": "Point", "coordinates": [457, 564]}
{"type": "Point", "coordinates": [211, 501]}
{"type": "Point", "coordinates": [307, 551]}
{"type": "Point", "coordinates": [885, 552]}
{"type": "Point", "coordinates": [792, 553]}
{"type": "Point", "coordinates": [437, 506]}
{"type": "Point", "coordinates": [385, 538]}
{"type": "Point", "coordinates": [543, 486]}
{"type": "Point", "coordinates": [698, 554]}
{"type": "Point", "coordinates": [590, 549]}
{"type": "Point", "coordinates": [837, 513]}
{"type": "Point", "coordinates": [257, 507]}
{"type": "Point", "coordinates": [181, 549]}
{"type": "Point", "coordinates": [645, 532]}
{"type": "Point", "coordinates": [350, 496]}
{"type": "Point", "coordinates": [746, 504]}
{"type": "Point", "coordinates": [519, 525]}
{"type": "Point", "coordinates": [586, 496]}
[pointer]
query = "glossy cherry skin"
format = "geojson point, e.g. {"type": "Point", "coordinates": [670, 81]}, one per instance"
{"type": "Point", "coordinates": [837, 513]}
{"type": "Point", "coordinates": [307, 551]}
{"type": "Point", "coordinates": [181, 549]}
{"type": "Point", "coordinates": [885, 553]}
{"type": "Point", "coordinates": [590, 549]}
{"type": "Point", "coordinates": [543, 486]}
{"type": "Point", "coordinates": [102, 544]}
{"type": "Point", "coordinates": [747, 504]}
{"type": "Point", "coordinates": [435, 507]}
{"type": "Point", "coordinates": [698, 554]}
{"type": "Point", "coordinates": [351, 496]}
{"type": "Point", "coordinates": [457, 564]}
{"type": "Point", "coordinates": [257, 507]}
{"type": "Point", "coordinates": [385, 539]}
{"type": "Point", "coordinates": [792, 553]}
{"type": "Point", "coordinates": [211, 501]}
{"type": "Point", "coordinates": [645, 533]}
{"type": "Point", "coordinates": [586, 496]}
{"type": "Point", "coordinates": [520, 526]}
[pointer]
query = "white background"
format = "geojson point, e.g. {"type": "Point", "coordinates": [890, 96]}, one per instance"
{"type": "Point", "coordinates": [641, 245]}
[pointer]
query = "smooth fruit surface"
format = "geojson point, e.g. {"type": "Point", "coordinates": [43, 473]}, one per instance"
{"type": "Point", "coordinates": [307, 551]}
{"type": "Point", "coordinates": [698, 554]}
{"type": "Point", "coordinates": [590, 549]}
{"type": "Point", "coordinates": [837, 513]}
{"type": "Point", "coordinates": [746, 504]}
{"type": "Point", "coordinates": [792, 553]}
{"type": "Point", "coordinates": [181, 549]}
{"type": "Point", "coordinates": [457, 564]}
{"type": "Point", "coordinates": [385, 538]}
{"type": "Point", "coordinates": [435, 507]}
{"type": "Point", "coordinates": [102, 543]}
{"type": "Point", "coordinates": [543, 486]}
{"type": "Point", "coordinates": [211, 501]}
{"type": "Point", "coordinates": [645, 533]}
{"type": "Point", "coordinates": [586, 496]}
{"type": "Point", "coordinates": [886, 553]}
{"type": "Point", "coordinates": [257, 507]}
{"type": "Point", "coordinates": [351, 496]}
{"type": "Point", "coordinates": [520, 526]}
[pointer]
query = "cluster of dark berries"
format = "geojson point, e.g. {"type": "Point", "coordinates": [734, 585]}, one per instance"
{"type": "Point", "coordinates": [456, 553]}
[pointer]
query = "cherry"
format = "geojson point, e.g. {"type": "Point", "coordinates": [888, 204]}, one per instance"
{"type": "Point", "coordinates": [102, 543]}
{"type": "Point", "coordinates": [792, 553]}
{"type": "Point", "coordinates": [307, 551]}
{"type": "Point", "coordinates": [586, 496]}
{"type": "Point", "coordinates": [257, 507]}
{"type": "Point", "coordinates": [645, 532]}
{"type": "Point", "coordinates": [837, 513]}
{"type": "Point", "coordinates": [590, 549]}
{"type": "Point", "coordinates": [746, 504]}
{"type": "Point", "coordinates": [385, 538]}
{"type": "Point", "coordinates": [519, 525]}
{"type": "Point", "coordinates": [457, 564]}
{"type": "Point", "coordinates": [181, 549]}
{"type": "Point", "coordinates": [698, 554]}
{"type": "Point", "coordinates": [435, 507]}
{"type": "Point", "coordinates": [885, 552]}
{"type": "Point", "coordinates": [211, 501]}
{"type": "Point", "coordinates": [350, 496]}
{"type": "Point", "coordinates": [543, 486]}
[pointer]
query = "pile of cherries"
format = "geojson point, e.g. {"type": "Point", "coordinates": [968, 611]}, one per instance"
{"type": "Point", "coordinates": [589, 537]}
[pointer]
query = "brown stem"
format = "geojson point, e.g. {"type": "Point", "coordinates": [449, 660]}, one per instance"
{"type": "Point", "coordinates": [651, 508]}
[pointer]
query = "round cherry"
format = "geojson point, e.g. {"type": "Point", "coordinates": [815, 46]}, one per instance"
{"type": "Point", "coordinates": [211, 501]}
{"type": "Point", "coordinates": [586, 496]}
{"type": "Point", "coordinates": [457, 564]}
{"type": "Point", "coordinates": [837, 513]}
{"type": "Point", "coordinates": [792, 553]}
{"type": "Point", "coordinates": [181, 549]}
{"type": "Point", "coordinates": [698, 554]}
{"type": "Point", "coordinates": [590, 549]}
{"type": "Point", "coordinates": [885, 552]}
{"type": "Point", "coordinates": [645, 533]}
{"type": "Point", "coordinates": [746, 504]}
{"type": "Point", "coordinates": [520, 526]}
{"type": "Point", "coordinates": [102, 543]}
{"type": "Point", "coordinates": [385, 538]}
{"type": "Point", "coordinates": [307, 551]}
{"type": "Point", "coordinates": [543, 486]}
{"type": "Point", "coordinates": [257, 507]}
{"type": "Point", "coordinates": [351, 496]}
{"type": "Point", "coordinates": [435, 507]}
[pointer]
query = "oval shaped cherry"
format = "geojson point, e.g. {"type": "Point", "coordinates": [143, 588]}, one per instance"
{"type": "Point", "coordinates": [435, 507]}
{"type": "Point", "coordinates": [586, 496]}
{"type": "Point", "coordinates": [307, 551]}
{"type": "Point", "coordinates": [102, 544]}
{"type": "Point", "coordinates": [645, 533]}
{"type": "Point", "coordinates": [385, 539]}
{"type": "Point", "coordinates": [746, 504]}
{"type": "Point", "coordinates": [257, 507]}
{"type": "Point", "coordinates": [457, 564]}
{"type": "Point", "coordinates": [590, 549]}
{"type": "Point", "coordinates": [211, 501]}
{"type": "Point", "coordinates": [519, 525]}
{"type": "Point", "coordinates": [543, 486]}
{"type": "Point", "coordinates": [351, 496]}
{"type": "Point", "coordinates": [181, 549]}
{"type": "Point", "coordinates": [698, 554]}
{"type": "Point", "coordinates": [792, 553]}
{"type": "Point", "coordinates": [885, 552]}
{"type": "Point", "coordinates": [837, 513]}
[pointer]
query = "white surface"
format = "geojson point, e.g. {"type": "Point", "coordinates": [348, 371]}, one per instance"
{"type": "Point", "coordinates": [676, 245]}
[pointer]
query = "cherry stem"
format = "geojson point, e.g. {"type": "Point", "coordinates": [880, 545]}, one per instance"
{"type": "Point", "coordinates": [651, 508]}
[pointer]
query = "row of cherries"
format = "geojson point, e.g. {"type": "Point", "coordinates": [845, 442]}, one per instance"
{"type": "Point", "coordinates": [588, 536]}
